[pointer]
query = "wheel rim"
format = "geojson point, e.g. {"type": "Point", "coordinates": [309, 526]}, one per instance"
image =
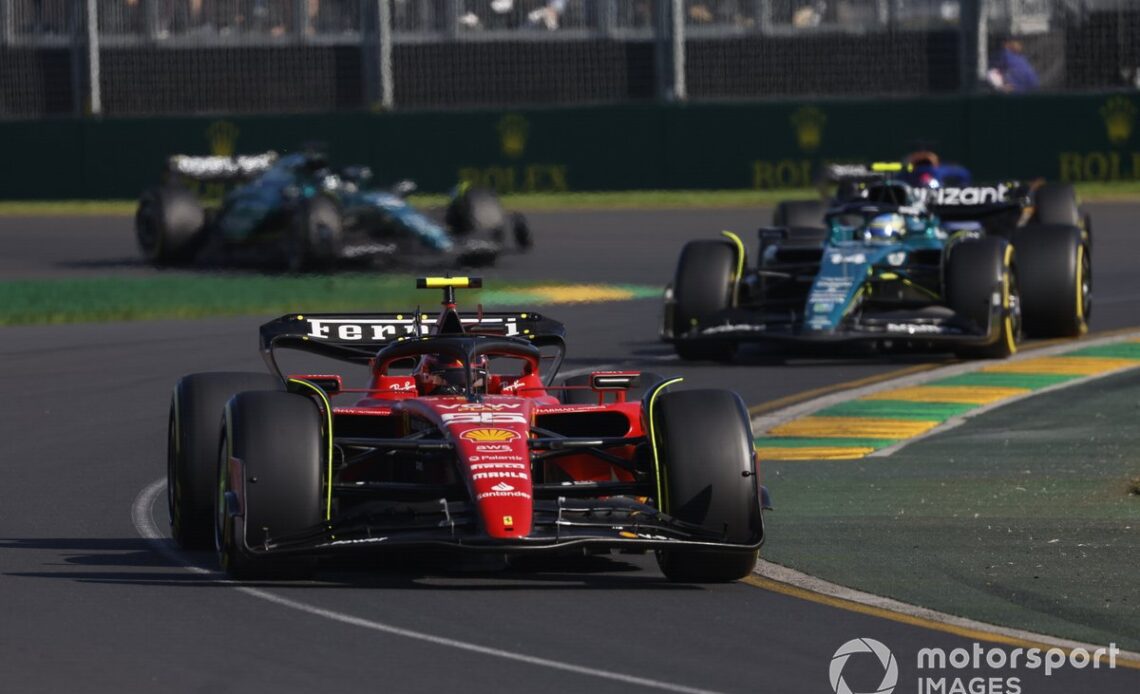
{"type": "Point", "coordinates": [221, 518]}
{"type": "Point", "coordinates": [1084, 287]}
{"type": "Point", "coordinates": [172, 477]}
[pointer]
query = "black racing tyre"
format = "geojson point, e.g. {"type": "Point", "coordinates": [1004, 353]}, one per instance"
{"type": "Point", "coordinates": [1056, 203]}
{"type": "Point", "coordinates": [520, 229]}
{"type": "Point", "coordinates": [974, 271]}
{"type": "Point", "coordinates": [1055, 273]}
{"type": "Point", "coordinates": [168, 224]}
{"type": "Point", "coordinates": [703, 286]}
{"type": "Point", "coordinates": [799, 213]}
{"type": "Point", "coordinates": [317, 235]}
{"type": "Point", "coordinates": [583, 396]}
{"type": "Point", "coordinates": [278, 439]}
{"type": "Point", "coordinates": [192, 447]}
{"type": "Point", "coordinates": [707, 478]}
{"type": "Point", "coordinates": [474, 210]}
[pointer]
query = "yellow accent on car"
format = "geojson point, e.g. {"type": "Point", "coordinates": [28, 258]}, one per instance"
{"type": "Point", "coordinates": [329, 435]}
{"type": "Point", "coordinates": [886, 166]}
{"type": "Point", "coordinates": [739, 254]}
{"type": "Point", "coordinates": [441, 282]}
{"type": "Point", "coordinates": [653, 441]}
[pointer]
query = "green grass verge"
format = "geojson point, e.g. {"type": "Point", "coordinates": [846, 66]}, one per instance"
{"type": "Point", "coordinates": [1028, 516]}
{"type": "Point", "coordinates": [27, 302]}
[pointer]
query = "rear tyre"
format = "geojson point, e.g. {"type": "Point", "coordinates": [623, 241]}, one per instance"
{"type": "Point", "coordinates": [168, 223]}
{"type": "Point", "coordinates": [192, 446]}
{"type": "Point", "coordinates": [703, 286]}
{"type": "Point", "coordinates": [708, 478]}
{"type": "Point", "coordinates": [1056, 280]}
{"type": "Point", "coordinates": [799, 213]}
{"type": "Point", "coordinates": [476, 210]}
{"type": "Point", "coordinates": [317, 236]}
{"type": "Point", "coordinates": [975, 270]}
{"type": "Point", "coordinates": [278, 440]}
{"type": "Point", "coordinates": [1056, 203]}
{"type": "Point", "coordinates": [521, 231]}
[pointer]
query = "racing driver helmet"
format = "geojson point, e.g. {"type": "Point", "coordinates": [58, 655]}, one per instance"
{"type": "Point", "coordinates": [436, 376]}
{"type": "Point", "coordinates": [885, 227]}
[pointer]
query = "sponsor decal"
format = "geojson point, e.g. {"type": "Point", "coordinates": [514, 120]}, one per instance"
{"type": "Point", "coordinates": [360, 541]}
{"type": "Point", "coordinates": [481, 435]}
{"type": "Point", "coordinates": [734, 328]}
{"type": "Point", "coordinates": [974, 195]}
{"type": "Point", "coordinates": [480, 407]}
{"type": "Point", "coordinates": [403, 387]}
{"type": "Point", "coordinates": [502, 487]}
{"type": "Point", "coordinates": [840, 258]}
{"type": "Point", "coordinates": [831, 290]}
{"type": "Point", "coordinates": [508, 521]}
{"type": "Point", "coordinates": [808, 122]}
{"type": "Point", "coordinates": [505, 465]}
{"type": "Point", "coordinates": [914, 328]}
{"type": "Point", "coordinates": [500, 474]}
{"type": "Point", "coordinates": [483, 418]}
{"type": "Point", "coordinates": [1119, 114]}
{"type": "Point", "coordinates": [383, 329]}
{"type": "Point", "coordinates": [492, 448]}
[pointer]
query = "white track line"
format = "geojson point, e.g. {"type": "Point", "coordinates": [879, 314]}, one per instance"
{"type": "Point", "coordinates": [143, 518]}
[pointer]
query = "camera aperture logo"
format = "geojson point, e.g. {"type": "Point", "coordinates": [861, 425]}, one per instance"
{"type": "Point", "coordinates": [886, 659]}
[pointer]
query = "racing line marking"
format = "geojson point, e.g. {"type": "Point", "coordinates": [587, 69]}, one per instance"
{"type": "Point", "coordinates": [142, 515]}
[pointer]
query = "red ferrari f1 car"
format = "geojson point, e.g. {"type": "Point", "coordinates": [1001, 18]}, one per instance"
{"type": "Point", "coordinates": [459, 439]}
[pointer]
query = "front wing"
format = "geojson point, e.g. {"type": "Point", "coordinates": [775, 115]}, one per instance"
{"type": "Point", "coordinates": [614, 522]}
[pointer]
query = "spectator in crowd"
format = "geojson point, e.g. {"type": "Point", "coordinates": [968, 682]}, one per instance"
{"type": "Point", "coordinates": [1011, 70]}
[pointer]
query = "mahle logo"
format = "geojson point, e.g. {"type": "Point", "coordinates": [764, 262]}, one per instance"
{"type": "Point", "coordinates": [1119, 114]}
{"type": "Point", "coordinates": [513, 130]}
{"type": "Point", "coordinates": [222, 136]}
{"type": "Point", "coordinates": [886, 659]}
{"type": "Point", "coordinates": [808, 122]}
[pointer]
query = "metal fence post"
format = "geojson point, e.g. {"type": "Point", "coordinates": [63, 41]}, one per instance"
{"type": "Point", "coordinates": [972, 49]}
{"type": "Point", "coordinates": [384, 36]}
{"type": "Point", "coordinates": [680, 89]}
{"type": "Point", "coordinates": [96, 97]}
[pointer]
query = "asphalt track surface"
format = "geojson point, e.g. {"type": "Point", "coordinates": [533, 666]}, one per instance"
{"type": "Point", "coordinates": [89, 604]}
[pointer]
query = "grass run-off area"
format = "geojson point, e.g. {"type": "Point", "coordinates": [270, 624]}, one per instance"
{"type": "Point", "coordinates": [537, 202]}
{"type": "Point", "coordinates": [1026, 516]}
{"type": "Point", "coordinates": [179, 296]}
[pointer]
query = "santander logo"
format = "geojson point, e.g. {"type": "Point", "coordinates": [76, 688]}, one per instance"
{"type": "Point", "coordinates": [503, 487]}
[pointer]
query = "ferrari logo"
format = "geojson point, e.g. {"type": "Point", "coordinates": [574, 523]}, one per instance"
{"type": "Point", "coordinates": [508, 521]}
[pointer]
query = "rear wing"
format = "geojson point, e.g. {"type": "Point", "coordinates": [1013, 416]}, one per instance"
{"type": "Point", "coordinates": [219, 169]}
{"type": "Point", "coordinates": [356, 337]}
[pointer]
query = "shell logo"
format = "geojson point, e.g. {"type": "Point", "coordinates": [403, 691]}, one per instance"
{"type": "Point", "coordinates": [484, 435]}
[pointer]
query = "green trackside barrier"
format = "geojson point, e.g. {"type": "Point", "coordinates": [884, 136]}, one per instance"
{"type": "Point", "coordinates": [767, 145]}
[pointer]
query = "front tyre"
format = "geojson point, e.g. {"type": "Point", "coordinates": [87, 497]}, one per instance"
{"type": "Point", "coordinates": [1056, 280]}
{"type": "Point", "coordinates": [270, 472]}
{"type": "Point", "coordinates": [702, 287]}
{"type": "Point", "coordinates": [979, 272]}
{"type": "Point", "coordinates": [168, 224]}
{"type": "Point", "coordinates": [707, 477]}
{"type": "Point", "coordinates": [317, 236]}
{"type": "Point", "coordinates": [191, 451]}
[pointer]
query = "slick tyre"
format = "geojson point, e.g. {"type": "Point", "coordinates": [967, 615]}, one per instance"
{"type": "Point", "coordinates": [975, 270]}
{"type": "Point", "coordinates": [703, 286]}
{"type": "Point", "coordinates": [1056, 203]}
{"type": "Point", "coordinates": [168, 225]}
{"type": "Point", "coordinates": [317, 236]}
{"type": "Point", "coordinates": [476, 210]}
{"type": "Point", "coordinates": [192, 445]}
{"type": "Point", "coordinates": [1055, 274]}
{"type": "Point", "coordinates": [799, 213]}
{"type": "Point", "coordinates": [270, 469]}
{"type": "Point", "coordinates": [707, 477]}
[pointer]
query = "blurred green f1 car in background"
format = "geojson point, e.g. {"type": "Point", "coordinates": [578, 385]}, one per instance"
{"type": "Point", "coordinates": [296, 212]}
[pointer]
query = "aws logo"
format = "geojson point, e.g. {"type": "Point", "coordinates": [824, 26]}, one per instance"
{"type": "Point", "coordinates": [808, 122]}
{"type": "Point", "coordinates": [222, 136]}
